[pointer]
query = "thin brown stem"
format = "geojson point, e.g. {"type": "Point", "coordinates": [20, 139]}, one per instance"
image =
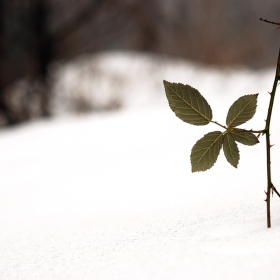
{"type": "Point", "coordinates": [269, 21]}
{"type": "Point", "coordinates": [268, 146]}
{"type": "Point", "coordinates": [274, 189]}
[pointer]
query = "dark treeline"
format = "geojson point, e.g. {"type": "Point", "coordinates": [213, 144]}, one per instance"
{"type": "Point", "coordinates": [35, 33]}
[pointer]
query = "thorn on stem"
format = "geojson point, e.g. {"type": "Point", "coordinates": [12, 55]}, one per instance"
{"type": "Point", "coordinates": [266, 196]}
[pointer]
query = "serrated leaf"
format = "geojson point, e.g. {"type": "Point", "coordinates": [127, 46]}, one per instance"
{"type": "Point", "coordinates": [206, 150]}
{"type": "Point", "coordinates": [242, 110]}
{"type": "Point", "coordinates": [244, 137]}
{"type": "Point", "coordinates": [188, 104]}
{"type": "Point", "coordinates": [231, 150]}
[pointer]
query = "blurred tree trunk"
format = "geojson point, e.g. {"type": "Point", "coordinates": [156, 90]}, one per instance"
{"type": "Point", "coordinates": [147, 16]}
{"type": "Point", "coordinates": [42, 46]}
{"type": "Point", "coordinates": [26, 52]}
{"type": "Point", "coordinates": [4, 63]}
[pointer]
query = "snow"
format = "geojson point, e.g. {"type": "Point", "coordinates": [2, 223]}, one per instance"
{"type": "Point", "coordinates": [112, 196]}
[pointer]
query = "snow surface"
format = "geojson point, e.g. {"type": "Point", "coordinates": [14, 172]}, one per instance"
{"type": "Point", "coordinates": [112, 196]}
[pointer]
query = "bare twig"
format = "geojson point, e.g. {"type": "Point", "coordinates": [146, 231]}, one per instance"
{"type": "Point", "coordinates": [274, 189]}
{"type": "Point", "coordinates": [270, 21]}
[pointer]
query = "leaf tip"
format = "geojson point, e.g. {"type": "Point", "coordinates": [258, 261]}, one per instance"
{"type": "Point", "coordinates": [165, 82]}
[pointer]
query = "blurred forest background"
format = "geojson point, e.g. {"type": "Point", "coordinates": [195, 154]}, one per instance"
{"type": "Point", "coordinates": [37, 34]}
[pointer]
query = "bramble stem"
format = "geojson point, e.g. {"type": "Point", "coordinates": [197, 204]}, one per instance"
{"type": "Point", "coordinates": [274, 190]}
{"type": "Point", "coordinates": [268, 146]}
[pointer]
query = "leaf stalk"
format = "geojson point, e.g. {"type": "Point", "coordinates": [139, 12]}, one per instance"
{"type": "Point", "coordinates": [215, 122]}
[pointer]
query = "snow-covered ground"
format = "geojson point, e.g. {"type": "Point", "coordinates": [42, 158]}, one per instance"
{"type": "Point", "coordinates": [112, 196]}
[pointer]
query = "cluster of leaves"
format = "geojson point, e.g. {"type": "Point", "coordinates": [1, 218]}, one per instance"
{"type": "Point", "coordinates": [191, 107]}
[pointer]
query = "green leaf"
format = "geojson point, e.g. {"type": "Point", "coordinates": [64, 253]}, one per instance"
{"type": "Point", "coordinates": [231, 150]}
{"type": "Point", "coordinates": [244, 137]}
{"type": "Point", "coordinates": [206, 150]}
{"type": "Point", "coordinates": [242, 110]}
{"type": "Point", "coordinates": [188, 104]}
